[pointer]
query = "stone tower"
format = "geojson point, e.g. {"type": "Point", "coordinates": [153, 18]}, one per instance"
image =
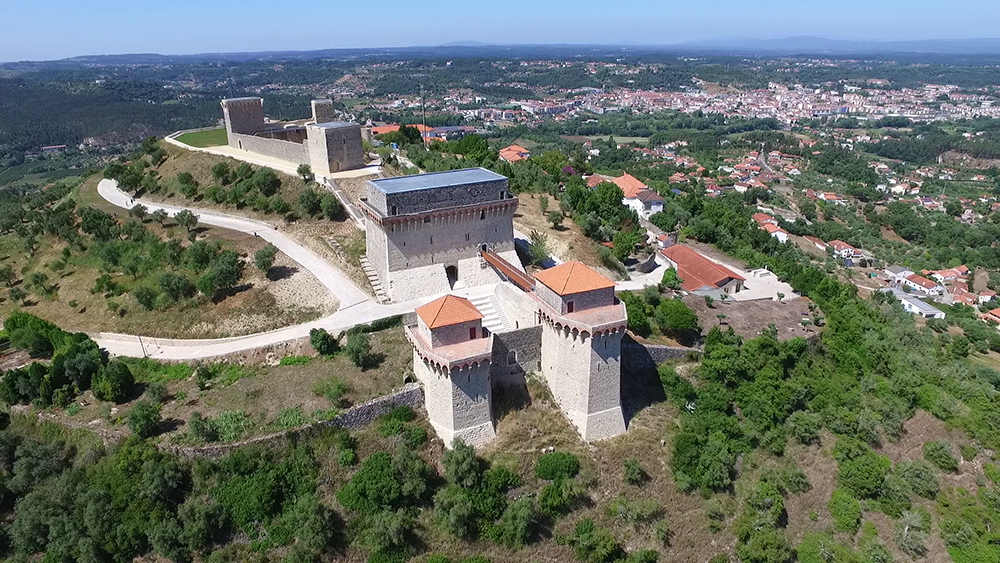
{"type": "Point", "coordinates": [582, 328]}
{"type": "Point", "coordinates": [451, 358]}
{"type": "Point", "coordinates": [425, 232]}
{"type": "Point", "coordinates": [334, 146]}
{"type": "Point", "coordinates": [244, 116]}
{"type": "Point", "coordinates": [322, 111]}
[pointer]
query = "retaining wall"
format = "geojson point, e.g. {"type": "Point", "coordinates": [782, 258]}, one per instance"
{"type": "Point", "coordinates": [641, 357]}
{"type": "Point", "coordinates": [410, 395]}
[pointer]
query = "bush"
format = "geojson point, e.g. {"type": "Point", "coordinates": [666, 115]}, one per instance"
{"type": "Point", "coordinates": [804, 426]}
{"type": "Point", "coordinates": [595, 545]}
{"type": "Point", "coordinates": [556, 466]}
{"type": "Point", "coordinates": [358, 350]}
{"type": "Point", "coordinates": [114, 383]}
{"type": "Point", "coordinates": [517, 523]}
{"type": "Point", "coordinates": [845, 510]}
{"type": "Point", "coordinates": [894, 498]}
{"type": "Point", "coordinates": [633, 473]}
{"type": "Point", "coordinates": [860, 470]}
{"type": "Point", "coordinates": [263, 259]}
{"type": "Point", "coordinates": [939, 453]}
{"type": "Point", "coordinates": [332, 209]}
{"type": "Point", "coordinates": [920, 477]}
{"type": "Point", "coordinates": [323, 342]}
{"type": "Point", "coordinates": [675, 318]}
{"type": "Point", "coordinates": [556, 498]}
{"type": "Point", "coordinates": [146, 296]}
{"type": "Point", "coordinates": [144, 419]}
{"type": "Point", "coordinates": [787, 479]}
{"type": "Point", "coordinates": [461, 466]}
{"type": "Point", "coordinates": [32, 340]}
{"type": "Point", "coordinates": [911, 532]}
{"type": "Point", "coordinates": [332, 388]}
{"type": "Point", "coordinates": [454, 511]}
{"type": "Point", "coordinates": [157, 392]}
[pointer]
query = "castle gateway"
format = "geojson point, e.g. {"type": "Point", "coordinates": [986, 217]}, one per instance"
{"type": "Point", "coordinates": [425, 233]}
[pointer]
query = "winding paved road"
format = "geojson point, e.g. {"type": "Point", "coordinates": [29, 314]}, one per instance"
{"type": "Point", "coordinates": [356, 307]}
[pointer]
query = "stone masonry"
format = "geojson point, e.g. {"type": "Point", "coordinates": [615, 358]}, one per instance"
{"type": "Point", "coordinates": [326, 145]}
{"type": "Point", "coordinates": [425, 232]}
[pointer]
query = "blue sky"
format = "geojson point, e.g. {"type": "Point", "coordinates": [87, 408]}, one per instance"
{"type": "Point", "coordinates": [52, 29]}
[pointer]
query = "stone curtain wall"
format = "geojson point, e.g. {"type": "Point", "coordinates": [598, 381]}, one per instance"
{"type": "Point", "coordinates": [526, 343]}
{"type": "Point", "coordinates": [410, 395]}
{"type": "Point", "coordinates": [285, 150]}
{"type": "Point", "coordinates": [638, 357]}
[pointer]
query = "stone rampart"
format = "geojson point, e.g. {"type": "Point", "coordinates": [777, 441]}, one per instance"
{"type": "Point", "coordinates": [515, 354]}
{"type": "Point", "coordinates": [645, 357]}
{"type": "Point", "coordinates": [285, 150]}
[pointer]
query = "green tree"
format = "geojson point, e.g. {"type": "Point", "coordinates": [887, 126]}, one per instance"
{"type": "Point", "coordinates": [556, 218]}
{"type": "Point", "coordinates": [332, 209]}
{"type": "Point", "coordinates": [671, 280]}
{"type": "Point", "coordinates": [158, 216]}
{"type": "Point", "coordinates": [144, 418]}
{"type": "Point", "coordinates": [186, 219]}
{"type": "Point", "coordinates": [675, 318]}
{"type": "Point", "coordinates": [263, 259]}
{"type": "Point", "coordinates": [146, 296]}
{"type": "Point", "coordinates": [138, 211]}
{"type": "Point", "coordinates": [305, 172]}
{"type": "Point", "coordinates": [220, 171]}
{"type": "Point", "coordinates": [17, 295]}
{"type": "Point", "coordinates": [114, 383]}
{"type": "Point", "coordinates": [310, 202]}
{"type": "Point", "coordinates": [7, 275]}
{"type": "Point", "coordinates": [323, 342]}
{"type": "Point", "coordinates": [358, 350]}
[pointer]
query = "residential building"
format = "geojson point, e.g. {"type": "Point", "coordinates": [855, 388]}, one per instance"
{"type": "Point", "coordinates": [514, 153]}
{"type": "Point", "coordinates": [700, 275]}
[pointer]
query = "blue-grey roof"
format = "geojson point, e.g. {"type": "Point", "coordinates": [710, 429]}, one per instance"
{"type": "Point", "coordinates": [436, 180]}
{"type": "Point", "coordinates": [335, 125]}
{"type": "Point", "coordinates": [242, 99]}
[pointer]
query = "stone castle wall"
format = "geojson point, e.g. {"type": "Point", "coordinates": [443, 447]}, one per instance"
{"type": "Point", "coordinates": [519, 308]}
{"type": "Point", "coordinates": [526, 344]}
{"type": "Point", "coordinates": [449, 238]}
{"type": "Point", "coordinates": [459, 404]}
{"type": "Point", "coordinates": [285, 150]}
{"type": "Point", "coordinates": [322, 111]}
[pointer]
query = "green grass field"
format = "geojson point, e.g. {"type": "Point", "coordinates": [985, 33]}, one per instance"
{"type": "Point", "coordinates": [209, 138]}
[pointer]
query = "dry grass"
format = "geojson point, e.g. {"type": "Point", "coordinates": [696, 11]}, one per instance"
{"type": "Point", "coordinates": [260, 304]}
{"type": "Point", "coordinates": [750, 318]}
{"type": "Point", "coordinates": [265, 391]}
{"type": "Point", "coordinates": [567, 242]}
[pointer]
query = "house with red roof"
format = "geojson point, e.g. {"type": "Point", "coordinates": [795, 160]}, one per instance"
{"type": "Point", "coordinates": [700, 275]}
{"type": "Point", "coordinates": [776, 232]}
{"type": "Point", "coordinates": [920, 284]}
{"type": "Point", "coordinates": [635, 194]}
{"type": "Point", "coordinates": [514, 153]}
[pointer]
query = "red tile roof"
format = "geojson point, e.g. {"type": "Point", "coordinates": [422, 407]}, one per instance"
{"type": "Point", "coordinates": [922, 281]}
{"type": "Point", "coordinates": [448, 310]}
{"type": "Point", "coordinates": [573, 277]}
{"type": "Point", "coordinates": [696, 271]}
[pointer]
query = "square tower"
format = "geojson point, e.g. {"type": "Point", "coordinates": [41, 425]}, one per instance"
{"type": "Point", "coordinates": [582, 328]}
{"type": "Point", "coordinates": [451, 358]}
{"type": "Point", "coordinates": [334, 147]}
{"type": "Point", "coordinates": [425, 232]}
{"type": "Point", "coordinates": [322, 111]}
{"type": "Point", "coordinates": [243, 116]}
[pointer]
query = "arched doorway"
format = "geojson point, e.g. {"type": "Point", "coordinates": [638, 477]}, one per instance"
{"type": "Point", "coordinates": [452, 273]}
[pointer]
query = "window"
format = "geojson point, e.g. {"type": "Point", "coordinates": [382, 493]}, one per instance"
{"type": "Point", "coordinates": [432, 240]}
{"type": "Point", "coordinates": [466, 237]}
{"type": "Point", "coordinates": [393, 210]}
{"type": "Point", "coordinates": [511, 357]}
{"type": "Point", "coordinates": [427, 219]}
{"type": "Point", "coordinates": [482, 215]}
{"type": "Point", "coordinates": [501, 194]}
{"type": "Point", "coordinates": [569, 306]}
{"type": "Point", "coordinates": [472, 333]}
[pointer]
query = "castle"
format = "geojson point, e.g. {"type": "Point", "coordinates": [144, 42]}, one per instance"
{"type": "Point", "coordinates": [425, 232]}
{"type": "Point", "coordinates": [326, 145]}
{"type": "Point", "coordinates": [438, 233]}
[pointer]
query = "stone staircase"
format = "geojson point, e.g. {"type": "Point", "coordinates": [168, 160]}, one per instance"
{"type": "Point", "coordinates": [493, 317]}
{"type": "Point", "coordinates": [380, 295]}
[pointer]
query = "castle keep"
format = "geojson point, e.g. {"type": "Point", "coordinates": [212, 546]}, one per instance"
{"type": "Point", "coordinates": [326, 145]}
{"type": "Point", "coordinates": [425, 233]}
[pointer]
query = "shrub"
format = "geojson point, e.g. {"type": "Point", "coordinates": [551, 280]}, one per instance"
{"type": "Point", "coordinates": [787, 479]}
{"type": "Point", "coordinates": [358, 350]}
{"type": "Point", "coordinates": [556, 499]}
{"type": "Point", "coordinates": [845, 510]}
{"type": "Point", "coordinates": [595, 545]}
{"type": "Point", "coordinates": [920, 477]}
{"type": "Point", "coordinates": [968, 452]}
{"type": "Point", "coordinates": [200, 429]}
{"type": "Point", "coordinates": [232, 425]}
{"type": "Point", "coordinates": [144, 419]}
{"type": "Point", "coordinates": [323, 342]}
{"type": "Point", "coordinates": [939, 453]}
{"type": "Point", "coordinates": [517, 523]}
{"type": "Point", "coordinates": [911, 532]}
{"type": "Point", "coordinates": [557, 465]}
{"type": "Point", "coordinates": [146, 296]}
{"type": "Point", "coordinates": [992, 472]}
{"type": "Point", "coordinates": [114, 383]}
{"type": "Point", "coordinates": [633, 473]}
{"type": "Point", "coordinates": [332, 388]}
{"type": "Point", "coordinates": [332, 209]}
{"type": "Point", "coordinates": [454, 511]}
{"type": "Point", "coordinates": [804, 426]}
{"type": "Point", "coordinates": [157, 392]}
{"type": "Point", "coordinates": [860, 470]}
{"type": "Point", "coordinates": [461, 466]}
{"type": "Point", "coordinates": [894, 498]}
{"type": "Point", "coordinates": [263, 259]}
{"type": "Point", "coordinates": [32, 340]}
